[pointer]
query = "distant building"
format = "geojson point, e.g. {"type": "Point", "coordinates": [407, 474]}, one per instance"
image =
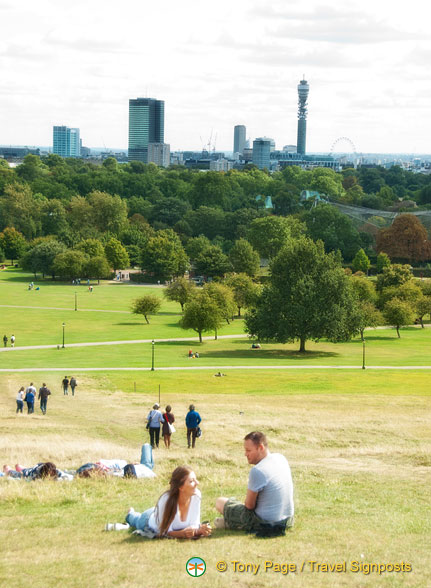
{"type": "Point", "coordinates": [146, 125]}
{"type": "Point", "coordinates": [66, 141]}
{"type": "Point", "coordinates": [262, 152]}
{"type": "Point", "coordinates": [303, 89]}
{"type": "Point", "coordinates": [290, 148]}
{"type": "Point", "coordinates": [159, 153]}
{"type": "Point", "coordinates": [17, 152]}
{"type": "Point", "coordinates": [221, 165]}
{"type": "Point", "coordinates": [239, 141]}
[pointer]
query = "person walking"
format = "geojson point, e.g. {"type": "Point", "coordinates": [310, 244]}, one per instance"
{"type": "Point", "coordinates": [193, 419]}
{"type": "Point", "coordinates": [30, 395]}
{"type": "Point", "coordinates": [12, 341]}
{"type": "Point", "coordinates": [5, 340]}
{"type": "Point", "coordinates": [154, 420]}
{"type": "Point", "coordinates": [44, 392]}
{"type": "Point", "coordinates": [73, 384]}
{"type": "Point", "coordinates": [166, 427]}
{"type": "Point", "coordinates": [20, 400]}
{"type": "Point", "coordinates": [65, 383]}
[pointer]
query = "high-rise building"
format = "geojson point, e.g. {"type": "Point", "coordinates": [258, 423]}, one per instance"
{"type": "Point", "coordinates": [303, 89]}
{"type": "Point", "coordinates": [66, 141]}
{"type": "Point", "coordinates": [239, 139]}
{"type": "Point", "coordinates": [262, 152]}
{"type": "Point", "coordinates": [146, 125]}
{"type": "Point", "coordinates": [159, 153]}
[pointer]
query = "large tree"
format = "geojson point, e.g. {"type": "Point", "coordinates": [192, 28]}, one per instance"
{"type": "Point", "coordinates": [398, 313]}
{"type": "Point", "coordinates": [268, 235]}
{"type": "Point", "coordinates": [201, 314]}
{"type": "Point", "coordinates": [308, 297]}
{"type": "Point", "coordinates": [223, 297]}
{"type": "Point", "coordinates": [245, 291]}
{"type": "Point", "coordinates": [40, 258]}
{"type": "Point", "coordinates": [146, 305]}
{"type": "Point", "coordinates": [13, 243]}
{"type": "Point", "coordinates": [164, 255]}
{"type": "Point", "coordinates": [69, 264]}
{"type": "Point", "coordinates": [116, 254]}
{"type": "Point", "coordinates": [212, 262]}
{"type": "Point", "coordinates": [180, 290]}
{"type": "Point", "coordinates": [406, 239]}
{"type": "Point", "coordinates": [244, 258]}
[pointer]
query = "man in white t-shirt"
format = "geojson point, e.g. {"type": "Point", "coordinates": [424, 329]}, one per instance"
{"type": "Point", "coordinates": [268, 507]}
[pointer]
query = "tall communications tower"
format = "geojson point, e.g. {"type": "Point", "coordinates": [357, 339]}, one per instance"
{"type": "Point", "coordinates": [303, 89]}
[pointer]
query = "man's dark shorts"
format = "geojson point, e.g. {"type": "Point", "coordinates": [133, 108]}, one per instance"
{"type": "Point", "coordinates": [237, 516]}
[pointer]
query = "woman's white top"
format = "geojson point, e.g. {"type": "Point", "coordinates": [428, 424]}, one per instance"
{"type": "Point", "coordinates": [192, 520]}
{"type": "Point", "coordinates": [20, 395]}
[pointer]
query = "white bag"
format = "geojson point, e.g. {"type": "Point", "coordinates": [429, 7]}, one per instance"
{"type": "Point", "coordinates": [172, 429]}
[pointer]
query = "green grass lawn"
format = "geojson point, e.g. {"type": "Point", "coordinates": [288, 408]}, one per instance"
{"type": "Point", "coordinates": [358, 443]}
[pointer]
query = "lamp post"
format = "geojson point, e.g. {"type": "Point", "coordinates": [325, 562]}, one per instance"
{"type": "Point", "coordinates": [152, 356]}
{"type": "Point", "coordinates": [63, 325]}
{"type": "Point", "coordinates": [76, 301]}
{"type": "Point", "coordinates": [363, 354]}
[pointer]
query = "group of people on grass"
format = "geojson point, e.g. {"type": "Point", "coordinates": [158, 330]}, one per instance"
{"type": "Point", "coordinates": [66, 382]}
{"type": "Point", "coordinates": [6, 339]}
{"type": "Point", "coordinates": [28, 395]}
{"type": "Point", "coordinates": [155, 419]}
{"type": "Point", "coordinates": [268, 509]}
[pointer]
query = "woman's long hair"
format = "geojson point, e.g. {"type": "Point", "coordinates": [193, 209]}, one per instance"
{"type": "Point", "coordinates": [178, 477]}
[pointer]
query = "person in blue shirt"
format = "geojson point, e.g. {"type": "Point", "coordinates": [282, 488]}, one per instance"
{"type": "Point", "coordinates": [154, 420]}
{"type": "Point", "coordinates": [193, 419]}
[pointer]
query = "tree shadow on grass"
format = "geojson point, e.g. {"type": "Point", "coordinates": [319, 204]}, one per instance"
{"type": "Point", "coordinates": [268, 354]}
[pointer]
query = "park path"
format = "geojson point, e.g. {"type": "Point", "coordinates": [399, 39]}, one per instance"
{"type": "Point", "coordinates": [126, 342]}
{"type": "Point", "coordinates": [213, 368]}
{"type": "Point", "coordinates": [66, 309]}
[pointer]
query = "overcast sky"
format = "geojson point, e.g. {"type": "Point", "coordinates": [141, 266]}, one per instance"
{"type": "Point", "coordinates": [218, 64]}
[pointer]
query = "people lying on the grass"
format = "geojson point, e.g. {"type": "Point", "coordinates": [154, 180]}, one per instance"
{"type": "Point", "coordinates": [91, 470]}
{"type": "Point", "coordinates": [112, 466]}
{"type": "Point", "coordinates": [44, 470]}
{"type": "Point", "coordinates": [268, 508]}
{"type": "Point", "coordinates": [177, 512]}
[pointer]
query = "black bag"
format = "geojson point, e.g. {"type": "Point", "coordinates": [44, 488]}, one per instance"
{"type": "Point", "coordinates": [198, 432]}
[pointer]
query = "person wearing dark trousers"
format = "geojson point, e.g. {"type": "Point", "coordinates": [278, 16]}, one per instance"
{"type": "Point", "coordinates": [154, 420]}
{"type": "Point", "coordinates": [30, 395]}
{"type": "Point", "coordinates": [65, 383]}
{"type": "Point", "coordinates": [73, 384]}
{"type": "Point", "coordinates": [193, 419]}
{"type": "Point", "coordinates": [44, 392]}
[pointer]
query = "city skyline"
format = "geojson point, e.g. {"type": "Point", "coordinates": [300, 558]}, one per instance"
{"type": "Point", "coordinates": [79, 64]}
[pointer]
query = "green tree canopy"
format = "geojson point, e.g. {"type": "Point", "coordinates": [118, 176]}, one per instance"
{"type": "Point", "coordinates": [40, 258]}
{"type": "Point", "coordinates": [394, 275]}
{"type": "Point", "coordinates": [398, 313]}
{"type": "Point", "coordinates": [96, 267]}
{"type": "Point", "coordinates": [201, 314]}
{"type": "Point", "coordinates": [92, 247]}
{"type": "Point", "coordinates": [180, 290]}
{"type": "Point", "coordinates": [146, 305]}
{"type": "Point", "coordinates": [268, 235]}
{"type": "Point", "coordinates": [69, 264]}
{"type": "Point", "coordinates": [383, 261]}
{"type": "Point", "coordinates": [245, 291]}
{"type": "Point", "coordinates": [223, 297]}
{"type": "Point", "coordinates": [212, 262]}
{"type": "Point", "coordinates": [164, 255]}
{"type": "Point", "coordinates": [308, 297]}
{"type": "Point", "coordinates": [244, 258]}
{"type": "Point", "coordinates": [116, 254]}
{"type": "Point", "coordinates": [361, 262]}
{"type": "Point", "coordinates": [13, 243]}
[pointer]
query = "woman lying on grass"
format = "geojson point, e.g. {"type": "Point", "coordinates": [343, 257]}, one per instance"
{"type": "Point", "coordinates": [177, 513]}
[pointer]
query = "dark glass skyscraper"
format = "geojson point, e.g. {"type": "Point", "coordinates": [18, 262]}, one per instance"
{"type": "Point", "coordinates": [238, 139]}
{"type": "Point", "coordinates": [146, 125]}
{"type": "Point", "coordinates": [303, 89]}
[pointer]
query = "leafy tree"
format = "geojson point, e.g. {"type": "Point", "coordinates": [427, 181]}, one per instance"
{"type": "Point", "coordinates": [212, 262]}
{"type": "Point", "coordinates": [398, 313]}
{"type": "Point", "coordinates": [196, 245]}
{"type": "Point", "coordinates": [53, 217]}
{"type": "Point", "coordinates": [146, 305]}
{"type": "Point", "coordinates": [405, 239]}
{"type": "Point", "coordinates": [13, 243]}
{"type": "Point", "coordinates": [223, 297]}
{"type": "Point", "coordinates": [180, 290]}
{"type": "Point", "coordinates": [69, 264]}
{"type": "Point", "coordinates": [408, 292]}
{"type": "Point", "coordinates": [134, 253]}
{"type": "Point", "coordinates": [364, 289]}
{"type": "Point", "coordinates": [423, 307]}
{"type": "Point", "coordinates": [116, 254]}
{"type": "Point", "coordinates": [20, 210]}
{"type": "Point", "coordinates": [91, 247]}
{"type": "Point", "coordinates": [326, 181]}
{"type": "Point", "coordinates": [244, 258]}
{"type": "Point", "coordinates": [383, 261]}
{"type": "Point", "coordinates": [169, 211]}
{"type": "Point", "coordinates": [31, 168]}
{"type": "Point", "coordinates": [367, 315]}
{"type": "Point", "coordinates": [361, 262]}
{"type": "Point", "coordinates": [308, 297]}
{"type": "Point", "coordinates": [201, 314]}
{"type": "Point", "coordinates": [96, 267]}
{"type": "Point", "coordinates": [268, 235]}
{"type": "Point", "coordinates": [164, 255]}
{"type": "Point", "coordinates": [109, 213]}
{"type": "Point", "coordinates": [394, 275]}
{"type": "Point", "coordinates": [245, 291]}
{"type": "Point", "coordinates": [40, 258]}
{"type": "Point", "coordinates": [206, 220]}
{"type": "Point", "coordinates": [334, 228]}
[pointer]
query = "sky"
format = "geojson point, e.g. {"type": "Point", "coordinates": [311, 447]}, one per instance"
{"type": "Point", "coordinates": [218, 64]}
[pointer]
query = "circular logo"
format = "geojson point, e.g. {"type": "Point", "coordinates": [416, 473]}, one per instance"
{"type": "Point", "coordinates": [196, 566]}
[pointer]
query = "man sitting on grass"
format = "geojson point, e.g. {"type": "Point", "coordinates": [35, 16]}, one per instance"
{"type": "Point", "coordinates": [268, 507]}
